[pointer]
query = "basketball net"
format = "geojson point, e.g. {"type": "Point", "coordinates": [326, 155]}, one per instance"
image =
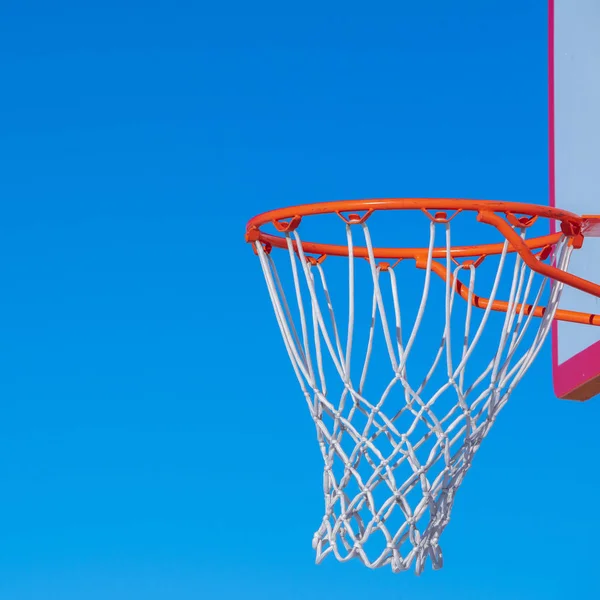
{"type": "Point", "coordinates": [393, 461]}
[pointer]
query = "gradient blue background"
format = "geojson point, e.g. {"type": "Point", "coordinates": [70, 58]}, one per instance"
{"type": "Point", "coordinates": [153, 441]}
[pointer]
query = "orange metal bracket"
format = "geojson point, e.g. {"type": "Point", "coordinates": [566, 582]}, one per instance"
{"type": "Point", "coordinates": [501, 305]}
{"type": "Point", "coordinates": [531, 261]}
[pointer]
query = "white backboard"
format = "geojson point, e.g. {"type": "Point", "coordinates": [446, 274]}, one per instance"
{"type": "Point", "coordinates": [574, 35]}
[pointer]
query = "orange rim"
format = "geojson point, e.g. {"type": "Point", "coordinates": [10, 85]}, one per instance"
{"type": "Point", "coordinates": [503, 216]}
{"type": "Point", "coordinates": [287, 220]}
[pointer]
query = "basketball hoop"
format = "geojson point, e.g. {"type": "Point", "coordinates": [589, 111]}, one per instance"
{"type": "Point", "coordinates": [397, 443]}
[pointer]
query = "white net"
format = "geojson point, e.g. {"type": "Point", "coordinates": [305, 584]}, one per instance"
{"type": "Point", "coordinates": [396, 450]}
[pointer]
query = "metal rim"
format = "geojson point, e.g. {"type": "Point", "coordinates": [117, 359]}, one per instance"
{"type": "Point", "coordinates": [523, 214]}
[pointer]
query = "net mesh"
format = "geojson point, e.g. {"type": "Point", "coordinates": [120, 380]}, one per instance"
{"type": "Point", "coordinates": [396, 451]}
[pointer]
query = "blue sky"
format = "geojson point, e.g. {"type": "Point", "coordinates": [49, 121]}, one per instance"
{"type": "Point", "coordinates": [154, 443]}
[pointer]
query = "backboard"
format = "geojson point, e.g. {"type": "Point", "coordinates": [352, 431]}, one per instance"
{"type": "Point", "coordinates": [574, 74]}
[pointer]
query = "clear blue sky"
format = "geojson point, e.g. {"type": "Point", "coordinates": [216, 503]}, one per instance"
{"type": "Point", "coordinates": [154, 443]}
